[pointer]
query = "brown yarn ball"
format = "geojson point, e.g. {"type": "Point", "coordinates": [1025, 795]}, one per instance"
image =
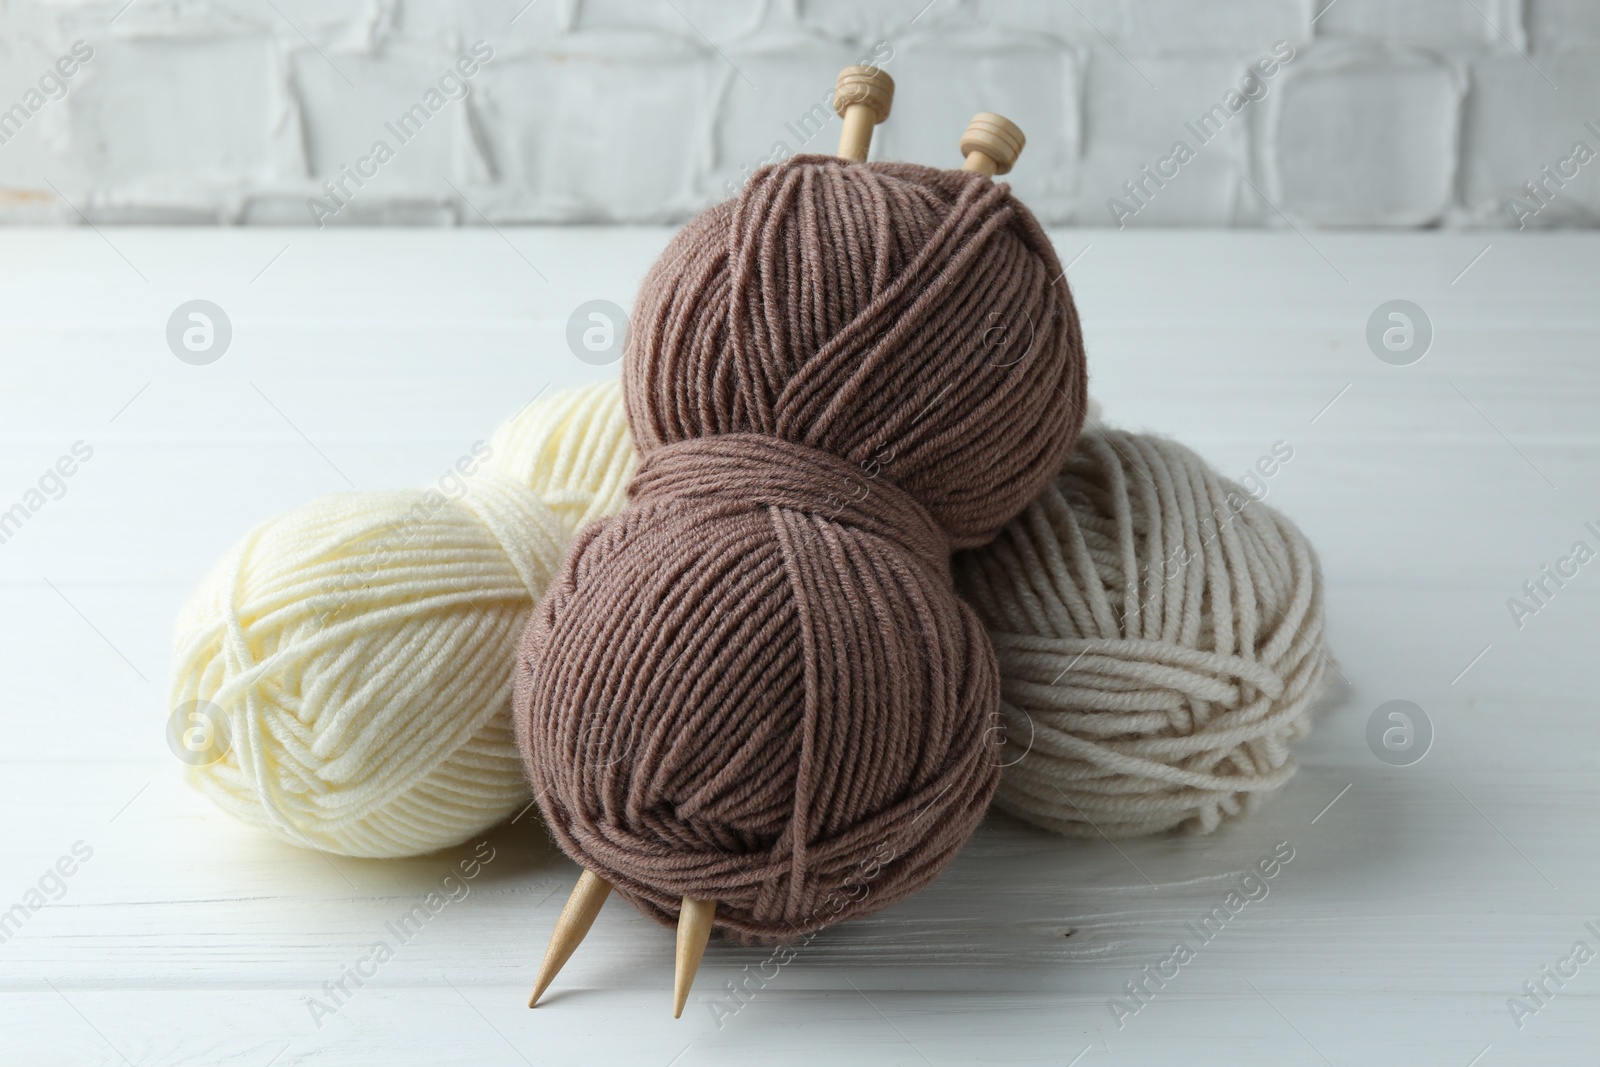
{"type": "Point", "coordinates": [756, 684]}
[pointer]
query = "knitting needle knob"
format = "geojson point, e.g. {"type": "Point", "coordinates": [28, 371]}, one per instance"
{"type": "Point", "coordinates": [861, 97]}
{"type": "Point", "coordinates": [694, 929]}
{"type": "Point", "coordinates": [991, 144]}
{"type": "Point", "coordinates": [576, 918]}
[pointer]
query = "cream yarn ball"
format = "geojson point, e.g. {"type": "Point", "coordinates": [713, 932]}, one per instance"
{"type": "Point", "coordinates": [359, 650]}
{"type": "Point", "coordinates": [1160, 638]}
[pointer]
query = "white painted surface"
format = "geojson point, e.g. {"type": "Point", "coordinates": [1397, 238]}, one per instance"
{"type": "Point", "coordinates": [1391, 112]}
{"type": "Point", "coordinates": [1415, 905]}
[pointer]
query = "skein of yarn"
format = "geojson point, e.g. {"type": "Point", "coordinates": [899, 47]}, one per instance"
{"type": "Point", "coordinates": [756, 687]}
{"type": "Point", "coordinates": [358, 650]}
{"type": "Point", "coordinates": [1161, 642]}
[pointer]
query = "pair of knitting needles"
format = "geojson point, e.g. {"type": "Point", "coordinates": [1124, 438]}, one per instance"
{"type": "Point", "coordinates": [990, 146]}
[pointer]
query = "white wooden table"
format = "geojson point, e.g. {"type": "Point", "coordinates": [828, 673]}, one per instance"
{"type": "Point", "coordinates": [1419, 898]}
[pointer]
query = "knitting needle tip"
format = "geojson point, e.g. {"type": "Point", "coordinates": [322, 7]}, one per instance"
{"type": "Point", "coordinates": [576, 918]}
{"type": "Point", "coordinates": [694, 929]}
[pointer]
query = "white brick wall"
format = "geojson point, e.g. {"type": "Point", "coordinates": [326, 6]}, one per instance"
{"type": "Point", "coordinates": [1388, 113]}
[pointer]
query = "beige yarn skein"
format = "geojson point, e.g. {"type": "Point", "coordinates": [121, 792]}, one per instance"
{"type": "Point", "coordinates": [1161, 642]}
{"type": "Point", "coordinates": [357, 652]}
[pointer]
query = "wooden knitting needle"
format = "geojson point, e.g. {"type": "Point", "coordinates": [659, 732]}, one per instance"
{"type": "Point", "coordinates": [576, 918]}
{"type": "Point", "coordinates": [991, 144]}
{"type": "Point", "coordinates": [861, 97]}
{"type": "Point", "coordinates": [694, 929]}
